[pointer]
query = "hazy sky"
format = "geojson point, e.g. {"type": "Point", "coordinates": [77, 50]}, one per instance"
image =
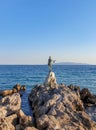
{"type": "Point", "coordinates": [32, 30]}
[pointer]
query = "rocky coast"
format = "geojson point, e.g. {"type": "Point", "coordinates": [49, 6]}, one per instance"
{"type": "Point", "coordinates": [60, 107]}
{"type": "Point", "coordinates": [54, 106]}
{"type": "Point", "coordinates": [11, 115]}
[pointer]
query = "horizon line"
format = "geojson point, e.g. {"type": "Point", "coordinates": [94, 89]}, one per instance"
{"type": "Point", "coordinates": [53, 64]}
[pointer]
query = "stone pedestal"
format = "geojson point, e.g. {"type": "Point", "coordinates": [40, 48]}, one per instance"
{"type": "Point", "coordinates": [51, 80]}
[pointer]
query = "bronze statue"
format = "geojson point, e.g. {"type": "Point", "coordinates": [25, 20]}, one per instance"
{"type": "Point", "coordinates": [50, 61]}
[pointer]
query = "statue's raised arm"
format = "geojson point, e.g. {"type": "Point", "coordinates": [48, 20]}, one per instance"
{"type": "Point", "coordinates": [50, 62]}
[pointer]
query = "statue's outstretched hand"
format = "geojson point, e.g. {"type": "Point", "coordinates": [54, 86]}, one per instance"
{"type": "Point", "coordinates": [54, 61]}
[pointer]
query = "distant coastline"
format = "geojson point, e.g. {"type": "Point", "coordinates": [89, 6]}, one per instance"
{"type": "Point", "coordinates": [71, 63]}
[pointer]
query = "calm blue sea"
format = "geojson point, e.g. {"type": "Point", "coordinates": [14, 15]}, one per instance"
{"type": "Point", "coordinates": [30, 75]}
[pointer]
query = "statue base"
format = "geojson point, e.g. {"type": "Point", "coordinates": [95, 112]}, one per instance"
{"type": "Point", "coordinates": [51, 80]}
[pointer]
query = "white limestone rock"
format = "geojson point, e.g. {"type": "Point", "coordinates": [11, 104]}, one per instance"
{"type": "Point", "coordinates": [50, 80]}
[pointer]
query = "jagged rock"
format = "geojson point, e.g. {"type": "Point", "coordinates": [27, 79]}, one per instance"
{"type": "Point", "coordinates": [23, 87]}
{"type": "Point", "coordinates": [10, 105]}
{"type": "Point", "coordinates": [59, 109]}
{"type": "Point", "coordinates": [87, 97]}
{"type": "Point", "coordinates": [24, 120]}
{"type": "Point", "coordinates": [15, 89]}
{"type": "Point", "coordinates": [91, 112]}
{"type": "Point", "coordinates": [11, 116]}
{"type": "Point", "coordinates": [8, 123]}
{"type": "Point", "coordinates": [51, 80]}
{"type": "Point", "coordinates": [30, 128]}
{"type": "Point", "coordinates": [74, 87]}
{"type": "Point", "coordinates": [47, 122]}
{"type": "Point", "coordinates": [6, 92]}
{"type": "Point", "coordinates": [18, 87]}
{"type": "Point", "coordinates": [13, 119]}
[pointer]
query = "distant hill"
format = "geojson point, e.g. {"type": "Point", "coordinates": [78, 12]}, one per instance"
{"type": "Point", "coordinates": [70, 63]}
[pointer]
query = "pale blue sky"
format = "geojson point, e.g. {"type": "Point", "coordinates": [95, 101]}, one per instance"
{"type": "Point", "coordinates": [31, 30]}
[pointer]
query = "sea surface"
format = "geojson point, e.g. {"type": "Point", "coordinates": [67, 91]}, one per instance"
{"type": "Point", "coordinates": [30, 75]}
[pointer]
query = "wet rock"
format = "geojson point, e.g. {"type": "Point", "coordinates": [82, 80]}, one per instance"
{"type": "Point", "coordinates": [19, 87]}
{"type": "Point", "coordinates": [91, 112]}
{"type": "Point", "coordinates": [6, 92]}
{"type": "Point", "coordinates": [23, 87]}
{"type": "Point", "coordinates": [87, 97]}
{"type": "Point", "coordinates": [15, 89]}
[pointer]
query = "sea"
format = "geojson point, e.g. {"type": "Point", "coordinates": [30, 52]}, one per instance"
{"type": "Point", "coordinates": [31, 75]}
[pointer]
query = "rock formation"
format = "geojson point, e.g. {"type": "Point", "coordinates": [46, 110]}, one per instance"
{"type": "Point", "coordinates": [15, 89]}
{"type": "Point", "coordinates": [87, 97]}
{"type": "Point", "coordinates": [11, 115]}
{"type": "Point", "coordinates": [58, 107]}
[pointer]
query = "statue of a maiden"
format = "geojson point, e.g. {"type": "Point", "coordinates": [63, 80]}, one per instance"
{"type": "Point", "coordinates": [50, 62]}
{"type": "Point", "coordinates": [50, 79]}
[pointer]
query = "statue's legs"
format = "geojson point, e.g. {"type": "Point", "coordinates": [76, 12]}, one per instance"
{"type": "Point", "coordinates": [50, 68]}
